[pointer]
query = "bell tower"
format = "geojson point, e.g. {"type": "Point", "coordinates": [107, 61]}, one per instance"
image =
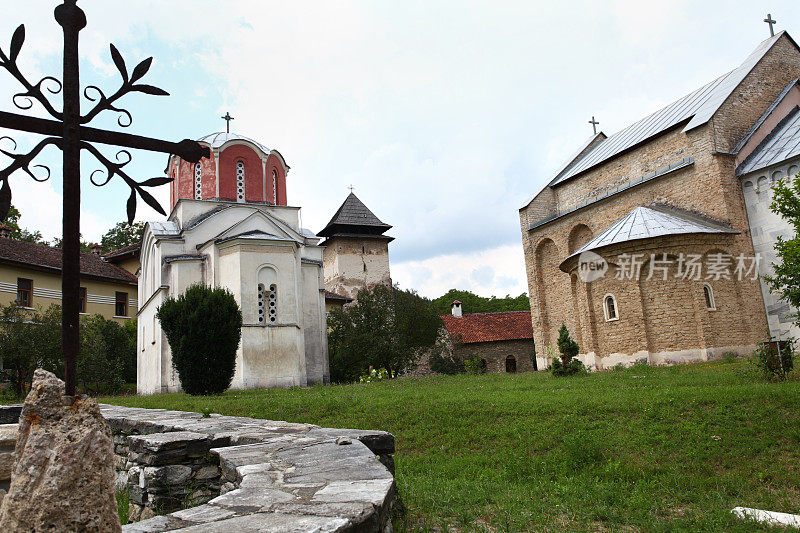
{"type": "Point", "coordinates": [356, 254]}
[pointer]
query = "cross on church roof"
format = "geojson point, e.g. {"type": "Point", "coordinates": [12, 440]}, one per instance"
{"type": "Point", "coordinates": [227, 118]}
{"type": "Point", "coordinates": [594, 124]}
{"type": "Point", "coordinates": [769, 20]}
{"type": "Point", "coordinates": [351, 187]}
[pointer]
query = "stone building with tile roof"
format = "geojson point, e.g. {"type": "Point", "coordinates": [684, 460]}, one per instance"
{"type": "Point", "coordinates": [638, 242]}
{"type": "Point", "coordinates": [30, 274]}
{"type": "Point", "coordinates": [356, 252]}
{"type": "Point", "coordinates": [502, 340]}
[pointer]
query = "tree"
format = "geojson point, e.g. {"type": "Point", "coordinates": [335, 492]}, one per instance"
{"type": "Point", "coordinates": [386, 328]}
{"type": "Point", "coordinates": [567, 365]}
{"type": "Point", "coordinates": [786, 203]}
{"type": "Point", "coordinates": [121, 235]}
{"type": "Point", "coordinates": [21, 234]}
{"type": "Point", "coordinates": [29, 339]}
{"type": "Point", "coordinates": [203, 327]}
{"type": "Point", "coordinates": [85, 246]}
{"type": "Point", "coordinates": [107, 355]}
{"type": "Point", "coordinates": [472, 303]}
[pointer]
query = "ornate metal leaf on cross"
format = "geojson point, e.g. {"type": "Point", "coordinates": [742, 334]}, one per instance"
{"type": "Point", "coordinates": [69, 134]}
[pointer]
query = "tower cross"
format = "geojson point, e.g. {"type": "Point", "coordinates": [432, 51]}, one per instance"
{"type": "Point", "coordinates": [227, 118]}
{"type": "Point", "coordinates": [70, 133]}
{"type": "Point", "coordinates": [769, 20]}
{"type": "Point", "coordinates": [351, 187]}
{"type": "Point", "coordinates": [594, 124]}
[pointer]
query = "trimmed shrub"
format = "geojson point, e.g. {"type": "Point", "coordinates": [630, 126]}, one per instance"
{"type": "Point", "coordinates": [567, 365]}
{"type": "Point", "coordinates": [203, 327]}
{"type": "Point", "coordinates": [107, 351]}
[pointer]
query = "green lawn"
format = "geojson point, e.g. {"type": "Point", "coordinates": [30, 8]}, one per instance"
{"type": "Point", "coordinates": [644, 449]}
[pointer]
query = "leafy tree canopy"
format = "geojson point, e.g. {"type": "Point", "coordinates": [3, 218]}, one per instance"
{"type": "Point", "coordinates": [121, 235]}
{"type": "Point", "coordinates": [786, 203]}
{"type": "Point", "coordinates": [472, 303]}
{"type": "Point", "coordinates": [21, 234]}
{"type": "Point", "coordinates": [385, 328]}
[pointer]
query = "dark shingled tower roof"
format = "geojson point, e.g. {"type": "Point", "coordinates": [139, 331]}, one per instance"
{"type": "Point", "coordinates": [354, 219]}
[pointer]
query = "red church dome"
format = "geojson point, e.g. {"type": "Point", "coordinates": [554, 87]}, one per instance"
{"type": "Point", "coordinates": [239, 170]}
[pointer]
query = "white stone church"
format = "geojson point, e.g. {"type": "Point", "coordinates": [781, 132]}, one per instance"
{"type": "Point", "coordinates": [229, 226]}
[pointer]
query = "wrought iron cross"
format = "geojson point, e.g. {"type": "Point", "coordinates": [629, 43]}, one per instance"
{"type": "Point", "coordinates": [69, 133]}
{"type": "Point", "coordinates": [594, 124]}
{"type": "Point", "coordinates": [227, 118]}
{"type": "Point", "coordinates": [769, 20]}
{"type": "Point", "coordinates": [351, 187]}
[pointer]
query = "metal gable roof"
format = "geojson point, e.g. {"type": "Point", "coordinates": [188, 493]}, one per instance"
{"type": "Point", "coordinates": [781, 144]}
{"type": "Point", "coordinates": [697, 108]}
{"type": "Point", "coordinates": [650, 222]}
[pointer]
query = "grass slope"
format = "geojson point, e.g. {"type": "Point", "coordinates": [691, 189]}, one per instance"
{"type": "Point", "coordinates": [644, 449]}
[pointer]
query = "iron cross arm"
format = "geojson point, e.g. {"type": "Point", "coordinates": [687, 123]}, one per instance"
{"type": "Point", "coordinates": [186, 149]}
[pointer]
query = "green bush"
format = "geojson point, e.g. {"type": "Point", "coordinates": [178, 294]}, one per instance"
{"type": "Point", "coordinates": [475, 365]}
{"type": "Point", "coordinates": [203, 327]}
{"type": "Point", "coordinates": [773, 366]}
{"type": "Point", "coordinates": [443, 363]}
{"type": "Point", "coordinates": [574, 366]}
{"type": "Point", "coordinates": [29, 339]}
{"type": "Point", "coordinates": [107, 355]}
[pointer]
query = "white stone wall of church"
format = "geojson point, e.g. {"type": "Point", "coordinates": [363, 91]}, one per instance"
{"type": "Point", "coordinates": [765, 227]}
{"type": "Point", "coordinates": [314, 324]}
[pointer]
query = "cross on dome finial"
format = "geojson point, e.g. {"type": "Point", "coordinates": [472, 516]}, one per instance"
{"type": "Point", "coordinates": [769, 20]}
{"type": "Point", "coordinates": [227, 118]}
{"type": "Point", "coordinates": [594, 124]}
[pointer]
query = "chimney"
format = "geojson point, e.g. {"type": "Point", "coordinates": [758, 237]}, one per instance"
{"type": "Point", "coordinates": [455, 308]}
{"type": "Point", "coordinates": [96, 249]}
{"type": "Point", "coordinates": [5, 231]}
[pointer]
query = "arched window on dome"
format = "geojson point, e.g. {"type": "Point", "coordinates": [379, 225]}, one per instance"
{"type": "Point", "coordinates": [198, 181]}
{"type": "Point", "coordinates": [274, 187]}
{"type": "Point", "coordinates": [240, 181]}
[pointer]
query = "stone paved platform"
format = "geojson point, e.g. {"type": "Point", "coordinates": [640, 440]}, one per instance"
{"type": "Point", "coordinates": [275, 476]}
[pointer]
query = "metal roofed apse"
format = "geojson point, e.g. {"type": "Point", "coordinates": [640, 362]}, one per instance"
{"type": "Point", "coordinates": [699, 106]}
{"type": "Point", "coordinates": [650, 222]}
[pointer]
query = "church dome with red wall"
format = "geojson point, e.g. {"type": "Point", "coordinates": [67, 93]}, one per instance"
{"type": "Point", "coordinates": [239, 170]}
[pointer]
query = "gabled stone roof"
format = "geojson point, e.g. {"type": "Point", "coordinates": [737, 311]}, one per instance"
{"type": "Point", "coordinates": [354, 218]}
{"type": "Point", "coordinates": [488, 327]}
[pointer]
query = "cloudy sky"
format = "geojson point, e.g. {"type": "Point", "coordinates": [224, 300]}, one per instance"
{"type": "Point", "coordinates": [445, 116]}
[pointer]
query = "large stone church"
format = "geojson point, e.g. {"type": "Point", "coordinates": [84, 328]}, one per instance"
{"type": "Point", "coordinates": [651, 244]}
{"type": "Point", "coordinates": [230, 226]}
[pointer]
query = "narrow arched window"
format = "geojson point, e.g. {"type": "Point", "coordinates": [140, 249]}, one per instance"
{"type": "Point", "coordinates": [708, 294]}
{"type": "Point", "coordinates": [198, 182]}
{"type": "Point", "coordinates": [240, 181]}
{"type": "Point", "coordinates": [610, 307]}
{"type": "Point", "coordinates": [274, 187]}
{"type": "Point", "coordinates": [272, 303]}
{"type": "Point", "coordinates": [261, 317]}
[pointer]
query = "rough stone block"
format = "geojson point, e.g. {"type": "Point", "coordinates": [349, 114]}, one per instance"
{"type": "Point", "coordinates": [271, 523]}
{"type": "Point", "coordinates": [204, 513]}
{"type": "Point", "coordinates": [252, 499]}
{"type": "Point", "coordinates": [374, 491]}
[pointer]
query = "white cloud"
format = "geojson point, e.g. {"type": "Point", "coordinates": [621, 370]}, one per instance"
{"type": "Point", "coordinates": [490, 272]}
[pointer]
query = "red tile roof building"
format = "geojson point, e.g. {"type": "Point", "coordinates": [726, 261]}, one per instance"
{"type": "Point", "coordinates": [487, 327]}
